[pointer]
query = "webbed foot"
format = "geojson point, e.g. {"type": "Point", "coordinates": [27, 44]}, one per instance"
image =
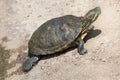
{"type": "Point", "coordinates": [82, 52]}
{"type": "Point", "coordinates": [29, 63]}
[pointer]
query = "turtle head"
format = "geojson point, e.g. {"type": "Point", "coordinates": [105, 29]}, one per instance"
{"type": "Point", "coordinates": [93, 14]}
{"type": "Point", "coordinates": [90, 17]}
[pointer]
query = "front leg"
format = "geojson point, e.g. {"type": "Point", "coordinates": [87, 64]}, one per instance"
{"type": "Point", "coordinates": [81, 49]}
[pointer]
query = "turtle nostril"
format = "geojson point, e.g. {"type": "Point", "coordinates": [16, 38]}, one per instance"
{"type": "Point", "coordinates": [98, 9]}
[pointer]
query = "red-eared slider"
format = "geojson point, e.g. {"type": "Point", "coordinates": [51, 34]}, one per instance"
{"type": "Point", "coordinates": [59, 34]}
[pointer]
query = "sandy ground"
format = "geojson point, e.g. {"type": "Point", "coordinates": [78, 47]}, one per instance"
{"type": "Point", "coordinates": [18, 20]}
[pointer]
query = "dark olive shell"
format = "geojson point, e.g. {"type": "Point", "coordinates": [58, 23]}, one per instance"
{"type": "Point", "coordinates": [55, 35]}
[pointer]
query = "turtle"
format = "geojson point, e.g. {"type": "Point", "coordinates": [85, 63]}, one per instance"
{"type": "Point", "coordinates": [59, 34]}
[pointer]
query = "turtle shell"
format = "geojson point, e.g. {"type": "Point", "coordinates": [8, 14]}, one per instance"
{"type": "Point", "coordinates": [55, 35]}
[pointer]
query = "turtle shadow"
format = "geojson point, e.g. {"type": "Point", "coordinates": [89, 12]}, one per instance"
{"type": "Point", "coordinates": [91, 34]}
{"type": "Point", "coordinates": [44, 57]}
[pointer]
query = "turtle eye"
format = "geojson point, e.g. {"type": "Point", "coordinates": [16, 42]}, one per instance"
{"type": "Point", "coordinates": [90, 15]}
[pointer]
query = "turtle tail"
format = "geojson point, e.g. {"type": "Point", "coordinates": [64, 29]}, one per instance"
{"type": "Point", "coordinates": [29, 63]}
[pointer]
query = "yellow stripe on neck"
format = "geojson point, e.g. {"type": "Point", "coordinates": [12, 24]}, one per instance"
{"type": "Point", "coordinates": [83, 35]}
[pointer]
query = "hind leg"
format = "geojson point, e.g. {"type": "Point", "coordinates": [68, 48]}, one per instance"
{"type": "Point", "coordinates": [27, 65]}
{"type": "Point", "coordinates": [33, 59]}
